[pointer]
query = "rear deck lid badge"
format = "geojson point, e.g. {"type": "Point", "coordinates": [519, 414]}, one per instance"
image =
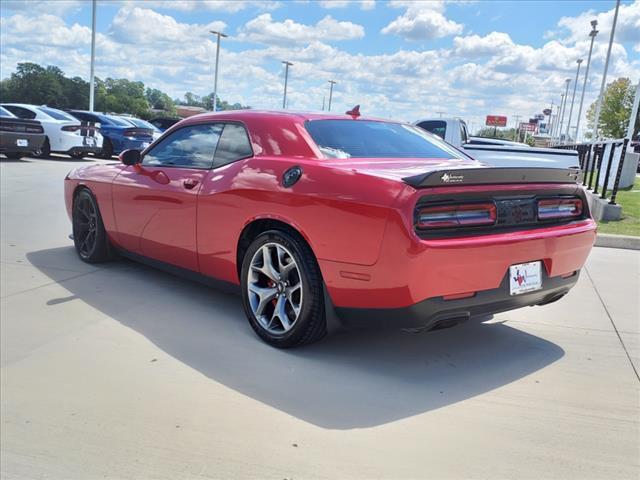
{"type": "Point", "coordinates": [451, 178]}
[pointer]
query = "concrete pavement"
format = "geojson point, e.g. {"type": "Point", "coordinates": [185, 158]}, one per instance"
{"type": "Point", "coordinates": [122, 371]}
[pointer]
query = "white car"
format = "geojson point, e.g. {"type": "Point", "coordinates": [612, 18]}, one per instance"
{"type": "Point", "coordinates": [64, 133]}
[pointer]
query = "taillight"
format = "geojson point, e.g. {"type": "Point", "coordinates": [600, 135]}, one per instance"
{"type": "Point", "coordinates": [33, 129]}
{"type": "Point", "coordinates": [71, 128]}
{"type": "Point", "coordinates": [465, 215]}
{"type": "Point", "coordinates": [559, 208]}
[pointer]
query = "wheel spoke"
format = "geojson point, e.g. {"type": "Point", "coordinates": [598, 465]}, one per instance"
{"type": "Point", "coordinates": [280, 312]}
{"type": "Point", "coordinates": [265, 295]}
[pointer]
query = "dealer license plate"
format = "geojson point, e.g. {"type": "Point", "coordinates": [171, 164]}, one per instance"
{"type": "Point", "coordinates": [525, 277]}
{"type": "Point", "coordinates": [21, 142]}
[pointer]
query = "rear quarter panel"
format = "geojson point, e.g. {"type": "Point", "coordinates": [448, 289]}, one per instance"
{"type": "Point", "coordinates": [342, 214]}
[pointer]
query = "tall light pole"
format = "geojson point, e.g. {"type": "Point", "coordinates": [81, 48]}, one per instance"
{"type": "Point", "coordinates": [93, 57]}
{"type": "Point", "coordinates": [556, 122]}
{"type": "Point", "coordinates": [515, 130]}
{"type": "Point", "coordinates": [332, 83]}
{"type": "Point", "coordinates": [215, 78]}
{"type": "Point", "coordinates": [604, 75]}
{"type": "Point", "coordinates": [286, 78]}
{"type": "Point", "coordinates": [573, 97]}
{"type": "Point", "coordinates": [592, 34]}
{"type": "Point", "coordinates": [564, 107]}
{"type": "Point", "coordinates": [634, 112]}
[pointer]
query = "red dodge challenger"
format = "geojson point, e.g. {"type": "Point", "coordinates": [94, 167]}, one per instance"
{"type": "Point", "coordinates": [317, 217]}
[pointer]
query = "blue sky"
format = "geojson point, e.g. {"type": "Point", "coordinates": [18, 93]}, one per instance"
{"type": "Point", "coordinates": [402, 59]}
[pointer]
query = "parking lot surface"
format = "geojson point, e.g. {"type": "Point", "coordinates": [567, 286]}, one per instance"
{"type": "Point", "coordinates": [121, 371]}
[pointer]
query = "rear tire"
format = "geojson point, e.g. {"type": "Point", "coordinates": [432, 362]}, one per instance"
{"type": "Point", "coordinates": [77, 155]}
{"type": "Point", "coordinates": [45, 151]}
{"type": "Point", "coordinates": [283, 295]}
{"type": "Point", "coordinates": [89, 235]}
{"type": "Point", "coordinates": [107, 149]}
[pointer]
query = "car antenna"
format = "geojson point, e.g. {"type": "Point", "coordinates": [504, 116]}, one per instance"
{"type": "Point", "coordinates": [354, 112]}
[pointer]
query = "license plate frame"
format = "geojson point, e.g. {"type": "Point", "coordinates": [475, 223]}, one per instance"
{"type": "Point", "coordinates": [525, 277]}
{"type": "Point", "coordinates": [22, 142]}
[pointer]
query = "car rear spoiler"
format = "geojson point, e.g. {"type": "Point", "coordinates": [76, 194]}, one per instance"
{"type": "Point", "coordinates": [494, 175]}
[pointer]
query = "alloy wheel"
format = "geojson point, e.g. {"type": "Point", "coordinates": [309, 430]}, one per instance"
{"type": "Point", "coordinates": [274, 287]}
{"type": "Point", "coordinates": [86, 225]}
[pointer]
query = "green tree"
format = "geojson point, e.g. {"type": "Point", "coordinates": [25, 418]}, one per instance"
{"type": "Point", "coordinates": [615, 111]}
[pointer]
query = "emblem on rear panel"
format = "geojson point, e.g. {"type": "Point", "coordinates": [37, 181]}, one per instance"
{"type": "Point", "coordinates": [449, 178]}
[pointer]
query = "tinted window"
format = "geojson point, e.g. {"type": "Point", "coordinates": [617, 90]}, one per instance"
{"type": "Point", "coordinates": [191, 147]}
{"type": "Point", "coordinates": [57, 114]}
{"type": "Point", "coordinates": [5, 113]}
{"type": "Point", "coordinates": [120, 121]}
{"type": "Point", "coordinates": [86, 117]}
{"type": "Point", "coordinates": [365, 138]}
{"type": "Point", "coordinates": [234, 145]}
{"type": "Point", "coordinates": [437, 127]}
{"type": "Point", "coordinates": [142, 124]}
{"type": "Point", "coordinates": [20, 112]}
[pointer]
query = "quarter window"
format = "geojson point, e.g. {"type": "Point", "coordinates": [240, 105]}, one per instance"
{"type": "Point", "coordinates": [189, 147]}
{"type": "Point", "coordinates": [21, 112]}
{"type": "Point", "coordinates": [234, 145]}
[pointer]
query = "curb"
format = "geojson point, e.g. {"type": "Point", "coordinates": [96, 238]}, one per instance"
{"type": "Point", "coordinates": [618, 241]}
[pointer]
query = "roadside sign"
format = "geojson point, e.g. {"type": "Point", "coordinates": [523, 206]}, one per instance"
{"type": "Point", "coordinates": [496, 121]}
{"type": "Point", "coordinates": [547, 111]}
{"type": "Point", "coordinates": [528, 127]}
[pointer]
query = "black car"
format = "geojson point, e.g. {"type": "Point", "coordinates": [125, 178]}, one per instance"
{"type": "Point", "coordinates": [19, 137]}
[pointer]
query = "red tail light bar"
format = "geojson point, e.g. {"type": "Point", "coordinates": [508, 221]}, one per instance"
{"type": "Point", "coordinates": [75, 128]}
{"type": "Point", "coordinates": [465, 215]}
{"type": "Point", "coordinates": [559, 208]}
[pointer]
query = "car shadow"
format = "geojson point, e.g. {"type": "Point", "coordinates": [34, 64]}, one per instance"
{"type": "Point", "coordinates": [354, 379]}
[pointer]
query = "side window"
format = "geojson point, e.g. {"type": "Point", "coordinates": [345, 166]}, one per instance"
{"type": "Point", "coordinates": [437, 127]}
{"type": "Point", "coordinates": [190, 147]}
{"type": "Point", "coordinates": [464, 135]}
{"type": "Point", "coordinates": [234, 145]}
{"type": "Point", "coordinates": [21, 112]}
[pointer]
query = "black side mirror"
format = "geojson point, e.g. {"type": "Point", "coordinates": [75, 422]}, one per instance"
{"type": "Point", "coordinates": [130, 157]}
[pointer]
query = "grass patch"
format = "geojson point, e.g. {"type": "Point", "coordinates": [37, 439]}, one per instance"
{"type": "Point", "coordinates": [629, 198]}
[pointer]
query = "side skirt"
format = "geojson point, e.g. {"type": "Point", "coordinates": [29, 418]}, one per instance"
{"type": "Point", "coordinates": [221, 285]}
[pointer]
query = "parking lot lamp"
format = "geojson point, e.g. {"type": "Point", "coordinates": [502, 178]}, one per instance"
{"type": "Point", "coordinates": [93, 56]}
{"type": "Point", "coordinates": [286, 78]}
{"type": "Point", "coordinates": [604, 75]}
{"type": "Point", "coordinates": [592, 34]}
{"type": "Point", "coordinates": [565, 97]}
{"type": "Point", "coordinates": [573, 97]}
{"type": "Point", "coordinates": [215, 78]}
{"type": "Point", "coordinates": [331, 93]}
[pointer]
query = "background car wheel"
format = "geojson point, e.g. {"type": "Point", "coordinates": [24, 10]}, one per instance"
{"type": "Point", "coordinates": [77, 155]}
{"type": "Point", "coordinates": [107, 148]}
{"type": "Point", "coordinates": [45, 151]}
{"type": "Point", "coordinates": [282, 290]}
{"type": "Point", "coordinates": [14, 156]}
{"type": "Point", "coordinates": [89, 235]}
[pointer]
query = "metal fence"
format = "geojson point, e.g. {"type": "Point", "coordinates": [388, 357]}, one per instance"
{"type": "Point", "coordinates": [592, 158]}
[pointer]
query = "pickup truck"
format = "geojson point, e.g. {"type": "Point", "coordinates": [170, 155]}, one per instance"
{"type": "Point", "coordinates": [498, 153]}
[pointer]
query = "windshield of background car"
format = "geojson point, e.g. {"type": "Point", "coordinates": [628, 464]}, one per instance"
{"type": "Point", "coordinates": [121, 122]}
{"type": "Point", "coordinates": [143, 124]}
{"type": "Point", "coordinates": [57, 114]}
{"type": "Point", "coordinates": [375, 139]}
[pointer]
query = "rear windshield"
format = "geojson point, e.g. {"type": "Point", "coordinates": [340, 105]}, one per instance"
{"type": "Point", "coordinates": [56, 114]}
{"type": "Point", "coordinates": [143, 124]}
{"type": "Point", "coordinates": [373, 139]}
{"type": "Point", "coordinates": [121, 122]}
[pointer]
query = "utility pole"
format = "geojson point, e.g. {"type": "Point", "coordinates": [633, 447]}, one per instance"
{"type": "Point", "coordinates": [634, 112]}
{"type": "Point", "coordinates": [215, 78]}
{"type": "Point", "coordinates": [604, 75]}
{"type": "Point", "coordinates": [332, 83]}
{"type": "Point", "coordinates": [515, 133]}
{"type": "Point", "coordinates": [564, 106]}
{"type": "Point", "coordinates": [93, 57]}
{"type": "Point", "coordinates": [573, 97]}
{"type": "Point", "coordinates": [592, 34]}
{"type": "Point", "coordinates": [286, 78]}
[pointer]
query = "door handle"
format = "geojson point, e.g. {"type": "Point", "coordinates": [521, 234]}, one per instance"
{"type": "Point", "coordinates": [190, 183]}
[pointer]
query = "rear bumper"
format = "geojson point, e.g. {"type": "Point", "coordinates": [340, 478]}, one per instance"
{"type": "Point", "coordinates": [436, 311]}
{"type": "Point", "coordinates": [9, 142]}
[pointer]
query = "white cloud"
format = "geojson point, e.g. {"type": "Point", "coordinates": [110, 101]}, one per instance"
{"type": "Point", "coordinates": [263, 29]}
{"type": "Point", "coordinates": [422, 20]}
{"type": "Point", "coordinates": [473, 46]}
{"type": "Point", "coordinates": [364, 4]}
{"type": "Point", "coordinates": [145, 26]}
